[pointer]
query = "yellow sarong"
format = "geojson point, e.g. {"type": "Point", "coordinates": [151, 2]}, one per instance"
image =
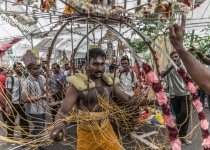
{"type": "Point", "coordinates": [90, 138]}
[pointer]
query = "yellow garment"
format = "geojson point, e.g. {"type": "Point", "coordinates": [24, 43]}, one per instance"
{"type": "Point", "coordinates": [93, 121]}
{"type": "Point", "coordinates": [103, 139]}
{"type": "Point", "coordinates": [164, 43]}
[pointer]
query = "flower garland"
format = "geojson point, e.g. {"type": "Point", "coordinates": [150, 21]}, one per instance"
{"type": "Point", "coordinates": [198, 105]}
{"type": "Point", "coordinates": [7, 46]}
{"type": "Point", "coordinates": [107, 10]}
{"type": "Point", "coordinates": [5, 18]}
{"type": "Point", "coordinates": [20, 18]}
{"type": "Point", "coordinates": [162, 100]}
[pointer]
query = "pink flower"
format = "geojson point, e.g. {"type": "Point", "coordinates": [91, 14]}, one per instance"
{"type": "Point", "coordinates": [204, 124]}
{"type": "Point", "coordinates": [191, 87]}
{"type": "Point", "coordinates": [162, 99]}
{"type": "Point", "coordinates": [176, 144]}
{"type": "Point", "coordinates": [169, 121]}
{"type": "Point", "coordinates": [152, 77]}
{"type": "Point", "coordinates": [147, 68]}
{"type": "Point", "coordinates": [206, 142]}
{"type": "Point", "coordinates": [198, 105]}
{"type": "Point", "coordinates": [157, 87]}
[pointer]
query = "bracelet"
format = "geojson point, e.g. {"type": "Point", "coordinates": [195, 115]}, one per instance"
{"type": "Point", "coordinates": [203, 58]}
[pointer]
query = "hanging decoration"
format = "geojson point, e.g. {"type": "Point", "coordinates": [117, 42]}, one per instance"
{"type": "Point", "coordinates": [45, 34]}
{"type": "Point", "coordinates": [145, 11]}
{"type": "Point", "coordinates": [6, 46]}
{"type": "Point", "coordinates": [67, 9]}
{"type": "Point", "coordinates": [47, 4]}
{"type": "Point", "coordinates": [20, 18]}
{"type": "Point", "coordinates": [29, 57]}
{"type": "Point", "coordinates": [20, 1]}
{"type": "Point", "coordinates": [162, 100]}
{"type": "Point", "coordinates": [199, 107]}
{"type": "Point", "coordinates": [64, 59]}
{"type": "Point", "coordinates": [165, 9]}
{"type": "Point", "coordinates": [121, 49]}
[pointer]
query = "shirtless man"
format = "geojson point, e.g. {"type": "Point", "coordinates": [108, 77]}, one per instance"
{"type": "Point", "coordinates": [98, 134]}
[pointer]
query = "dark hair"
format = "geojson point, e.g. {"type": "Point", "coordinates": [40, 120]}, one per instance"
{"type": "Point", "coordinates": [30, 65]}
{"type": "Point", "coordinates": [112, 66]}
{"type": "Point", "coordinates": [95, 53]}
{"type": "Point", "coordinates": [125, 58]}
{"type": "Point", "coordinates": [57, 65]}
{"type": "Point", "coordinates": [15, 64]}
{"type": "Point", "coordinates": [172, 53]}
{"type": "Point", "coordinates": [66, 65]}
{"type": "Point", "coordinates": [1, 70]}
{"type": "Point", "coordinates": [44, 61]}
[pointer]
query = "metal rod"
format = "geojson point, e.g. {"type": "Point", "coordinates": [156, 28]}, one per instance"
{"type": "Point", "coordinates": [26, 10]}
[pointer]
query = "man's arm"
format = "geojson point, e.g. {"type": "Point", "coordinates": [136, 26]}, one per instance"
{"type": "Point", "coordinates": [166, 72]}
{"type": "Point", "coordinates": [202, 57]}
{"type": "Point", "coordinates": [69, 101]}
{"type": "Point", "coordinates": [8, 87]}
{"type": "Point", "coordinates": [133, 100]}
{"type": "Point", "coordinates": [28, 99]}
{"type": "Point", "coordinates": [25, 95]}
{"type": "Point", "coordinates": [199, 73]}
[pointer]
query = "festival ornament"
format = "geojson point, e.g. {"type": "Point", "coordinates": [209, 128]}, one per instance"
{"type": "Point", "coordinates": [121, 49]}
{"type": "Point", "coordinates": [47, 4]}
{"type": "Point", "coordinates": [68, 10]}
{"type": "Point", "coordinates": [164, 9]}
{"type": "Point", "coordinates": [162, 100]}
{"type": "Point", "coordinates": [199, 107]}
{"type": "Point", "coordinates": [6, 46]}
{"type": "Point", "coordinates": [20, 1]}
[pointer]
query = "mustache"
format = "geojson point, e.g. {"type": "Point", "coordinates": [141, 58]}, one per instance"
{"type": "Point", "coordinates": [97, 72]}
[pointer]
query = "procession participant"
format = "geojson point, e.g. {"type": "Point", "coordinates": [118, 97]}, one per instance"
{"type": "Point", "coordinates": [94, 130]}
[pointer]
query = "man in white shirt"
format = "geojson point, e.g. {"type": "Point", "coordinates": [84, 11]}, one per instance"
{"type": "Point", "coordinates": [127, 77]}
{"type": "Point", "coordinates": [127, 83]}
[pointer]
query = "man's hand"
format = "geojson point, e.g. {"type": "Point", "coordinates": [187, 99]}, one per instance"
{"type": "Point", "coordinates": [193, 49]}
{"type": "Point", "coordinates": [8, 110]}
{"type": "Point", "coordinates": [52, 92]}
{"type": "Point", "coordinates": [60, 132]}
{"type": "Point", "coordinates": [176, 34]}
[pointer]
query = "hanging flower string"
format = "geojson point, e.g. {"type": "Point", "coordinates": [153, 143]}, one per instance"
{"type": "Point", "coordinates": [162, 100]}
{"type": "Point", "coordinates": [199, 107]}
{"type": "Point", "coordinates": [7, 46]}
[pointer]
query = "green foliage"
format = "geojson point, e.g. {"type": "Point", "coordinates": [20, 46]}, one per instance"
{"type": "Point", "coordinates": [201, 42]}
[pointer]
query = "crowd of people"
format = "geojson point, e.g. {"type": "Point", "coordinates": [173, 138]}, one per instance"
{"type": "Point", "coordinates": [23, 92]}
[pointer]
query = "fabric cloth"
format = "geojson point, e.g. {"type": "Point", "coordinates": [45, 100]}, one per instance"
{"type": "Point", "coordinates": [166, 46]}
{"type": "Point", "coordinates": [93, 121]}
{"type": "Point", "coordinates": [38, 121]}
{"type": "Point", "coordinates": [202, 98]}
{"type": "Point", "coordinates": [104, 139]}
{"type": "Point", "coordinates": [126, 85]}
{"type": "Point", "coordinates": [66, 73]}
{"type": "Point", "coordinates": [54, 84]}
{"type": "Point", "coordinates": [181, 107]}
{"type": "Point", "coordinates": [34, 88]}
{"type": "Point", "coordinates": [23, 121]}
{"type": "Point", "coordinates": [176, 84]}
{"type": "Point", "coordinates": [16, 88]}
{"type": "Point", "coordinates": [2, 84]}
